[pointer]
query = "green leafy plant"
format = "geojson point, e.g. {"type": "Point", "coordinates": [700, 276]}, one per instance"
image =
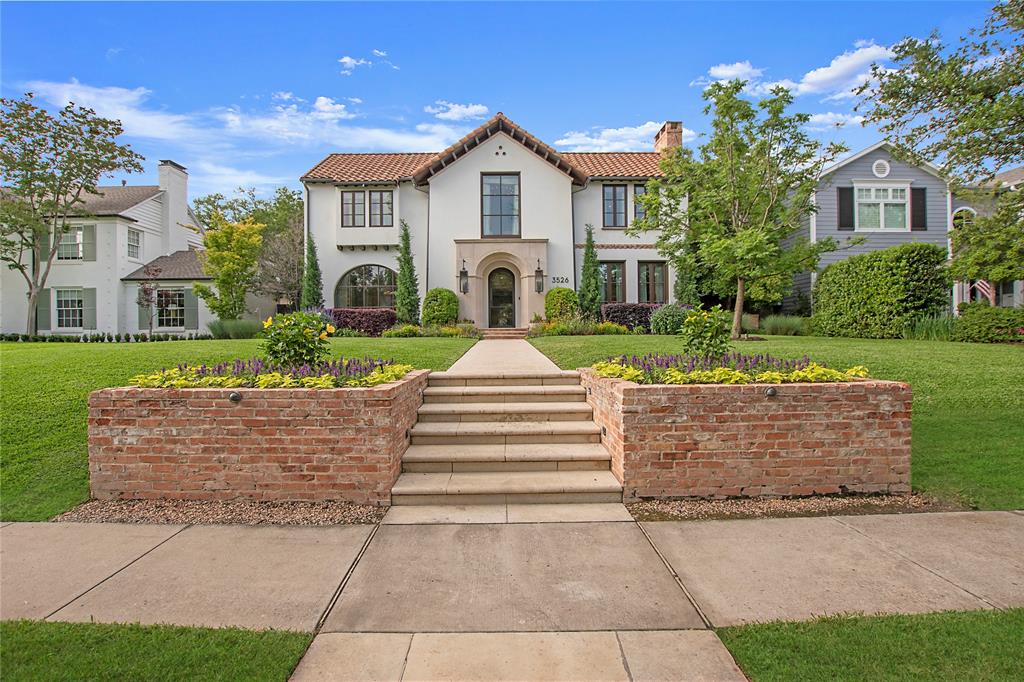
{"type": "Point", "coordinates": [230, 259]}
{"type": "Point", "coordinates": [235, 329]}
{"type": "Point", "coordinates": [930, 328]}
{"type": "Point", "coordinates": [440, 307]}
{"type": "Point", "coordinates": [729, 368]}
{"type": "Point", "coordinates": [982, 323]}
{"type": "Point", "coordinates": [407, 288]}
{"type": "Point", "coordinates": [705, 332]}
{"type": "Point", "coordinates": [405, 331]}
{"type": "Point", "coordinates": [784, 325]}
{"type": "Point", "coordinates": [668, 319]}
{"type": "Point", "coordinates": [590, 279]}
{"type": "Point", "coordinates": [312, 281]}
{"type": "Point", "coordinates": [561, 303]}
{"type": "Point", "coordinates": [296, 339]}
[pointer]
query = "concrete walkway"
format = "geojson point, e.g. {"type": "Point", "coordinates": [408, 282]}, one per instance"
{"type": "Point", "coordinates": [502, 356]}
{"type": "Point", "coordinates": [590, 600]}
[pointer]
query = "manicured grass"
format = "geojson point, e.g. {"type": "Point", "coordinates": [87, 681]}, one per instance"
{"type": "Point", "coordinates": [33, 650]}
{"type": "Point", "coordinates": [968, 400]}
{"type": "Point", "coordinates": [976, 645]}
{"type": "Point", "coordinates": [44, 387]}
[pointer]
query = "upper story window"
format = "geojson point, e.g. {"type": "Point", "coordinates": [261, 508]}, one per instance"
{"type": "Point", "coordinates": [170, 305]}
{"type": "Point", "coordinates": [500, 205]}
{"type": "Point", "coordinates": [882, 208]}
{"type": "Point", "coordinates": [70, 308]}
{"type": "Point", "coordinates": [70, 247]}
{"type": "Point", "coordinates": [963, 217]}
{"type": "Point", "coordinates": [638, 210]}
{"type": "Point", "coordinates": [614, 205]}
{"type": "Point", "coordinates": [134, 243]}
{"type": "Point", "coordinates": [381, 213]}
{"type": "Point", "coordinates": [353, 209]}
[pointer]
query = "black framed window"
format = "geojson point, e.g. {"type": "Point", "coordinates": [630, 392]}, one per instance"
{"type": "Point", "coordinates": [353, 209]}
{"type": "Point", "coordinates": [613, 279]}
{"type": "Point", "coordinates": [614, 205]}
{"type": "Point", "coordinates": [653, 282]}
{"type": "Point", "coordinates": [366, 286]}
{"type": "Point", "coordinates": [499, 205]}
{"type": "Point", "coordinates": [381, 213]}
{"type": "Point", "coordinates": [638, 210]}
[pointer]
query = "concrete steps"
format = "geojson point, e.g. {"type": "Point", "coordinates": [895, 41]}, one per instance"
{"type": "Point", "coordinates": [504, 333]}
{"type": "Point", "coordinates": [505, 438]}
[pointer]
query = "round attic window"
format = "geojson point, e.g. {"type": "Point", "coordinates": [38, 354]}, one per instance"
{"type": "Point", "coordinates": [880, 168]}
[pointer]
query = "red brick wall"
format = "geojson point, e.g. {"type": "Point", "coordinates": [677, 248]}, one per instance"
{"type": "Point", "coordinates": [733, 441]}
{"type": "Point", "coordinates": [277, 444]}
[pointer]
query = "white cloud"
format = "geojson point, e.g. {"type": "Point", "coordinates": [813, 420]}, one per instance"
{"type": "Point", "coordinates": [380, 53]}
{"type": "Point", "coordinates": [450, 111]}
{"type": "Point", "coordinates": [282, 96]}
{"type": "Point", "coordinates": [831, 120]}
{"type": "Point", "coordinates": [354, 100]}
{"type": "Point", "coordinates": [349, 64]}
{"type": "Point", "coordinates": [327, 109]}
{"type": "Point", "coordinates": [742, 70]}
{"type": "Point", "coordinates": [628, 138]}
{"type": "Point", "coordinates": [113, 52]}
{"type": "Point", "coordinates": [209, 174]}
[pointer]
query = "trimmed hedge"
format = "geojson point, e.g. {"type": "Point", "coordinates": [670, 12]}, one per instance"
{"type": "Point", "coordinates": [875, 295]}
{"type": "Point", "coordinates": [631, 315]}
{"type": "Point", "coordinates": [440, 307]}
{"type": "Point", "coordinates": [668, 319]}
{"type": "Point", "coordinates": [981, 323]}
{"type": "Point", "coordinates": [561, 303]}
{"type": "Point", "coordinates": [371, 321]}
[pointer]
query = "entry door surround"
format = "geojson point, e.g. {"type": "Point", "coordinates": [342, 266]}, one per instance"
{"type": "Point", "coordinates": [502, 298]}
{"type": "Point", "coordinates": [484, 256]}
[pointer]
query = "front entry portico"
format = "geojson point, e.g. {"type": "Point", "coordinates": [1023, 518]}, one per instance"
{"type": "Point", "coordinates": [501, 290]}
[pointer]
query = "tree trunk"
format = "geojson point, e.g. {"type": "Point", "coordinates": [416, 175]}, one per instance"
{"type": "Point", "coordinates": [737, 313]}
{"type": "Point", "coordinates": [32, 322]}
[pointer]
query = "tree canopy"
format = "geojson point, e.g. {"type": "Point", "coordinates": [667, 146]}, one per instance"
{"type": "Point", "coordinates": [230, 259]}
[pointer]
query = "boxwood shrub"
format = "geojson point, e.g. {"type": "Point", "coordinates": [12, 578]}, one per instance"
{"type": "Point", "coordinates": [875, 295]}
{"type": "Point", "coordinates": [635, 316]}
{"type": "Point", "coordinates": [981, 323]}
{"type": "Point", "coordinates": [669, 318]}
{"type": "Point", "coordinates": [440, 307]}
{"type": "Point", "coordinates": [561, 303]}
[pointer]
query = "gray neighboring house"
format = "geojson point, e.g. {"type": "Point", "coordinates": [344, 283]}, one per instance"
{"type": "Point", "coordinates": [889, 202]}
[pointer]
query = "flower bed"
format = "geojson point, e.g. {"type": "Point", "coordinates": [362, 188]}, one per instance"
{"type": "Point", "coordinates": [731, 368]}
{"type": "Point", "coordinates": [259, 373]}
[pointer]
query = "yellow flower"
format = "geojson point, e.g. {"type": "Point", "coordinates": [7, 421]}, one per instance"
{"type": "Point", "coordinates": [330, 329]}
{"type": "Point", "coordinates": [267, 322]}
{"type": "Point", "coordinates": [323, 336]}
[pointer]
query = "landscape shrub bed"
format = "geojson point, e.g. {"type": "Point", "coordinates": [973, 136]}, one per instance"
{"type": "Point", "coordinates": [633, 316]}
{"type": "Point", "coordinates": [982, 323]}
{"type": "Point", "coordinates": [577, 326]}
{"type": "Point", "coordinates": [234, 329]}
{"type": "Point", "coordinates": [876, 295]}
{"type": "Point", "coordinates": [731, 368]}
{"type": "Point", "coordinates": [369, 321]}
{"type": "Point", "coordinates": [103, 338]}
{"type": "Point", "coordinates": [259, 373]}
{"type": "Point", "coordinates": [466, 330]}
{"type": "Point", "coordinates": [561, 303]}
{"type": "Point", "coordinates": [440, 308]}
{"type": "Point", "coordinates": [668, 319]}
{"type": "Point", "coordinates": [785, 325]}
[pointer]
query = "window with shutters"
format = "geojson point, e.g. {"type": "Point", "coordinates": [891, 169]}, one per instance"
{"type": "Point", "coordinates": [70, 246]}
{"type": "Point", "coordinates": [170, 305]}
{"type": "Point", "coordinates": [69, 308]}
{"type": "Point", "coordinates": [882, 208]}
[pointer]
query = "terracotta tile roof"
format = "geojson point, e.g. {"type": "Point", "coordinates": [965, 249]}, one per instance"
{"type": "Point", "coordinates": [183, 265]}
{"type": "Point", "coordinates": [368, 167]}
{"type": "Point", "coordinates": [616, 164]}
{"type": "Point", "coordinates": [117, 199]}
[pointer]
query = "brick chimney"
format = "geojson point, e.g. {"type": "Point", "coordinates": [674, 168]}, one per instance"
{"type": "Point", "coordinates": [670, 135]}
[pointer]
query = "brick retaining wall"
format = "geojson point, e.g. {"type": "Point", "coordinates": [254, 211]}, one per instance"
{"type": "Point", "coordinates": [733, 441]}
{"type": "Point", "coordinates": [275, 444]}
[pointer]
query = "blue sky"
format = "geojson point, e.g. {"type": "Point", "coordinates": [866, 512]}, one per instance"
{"type": "Point", "coordinates": [257, 93]}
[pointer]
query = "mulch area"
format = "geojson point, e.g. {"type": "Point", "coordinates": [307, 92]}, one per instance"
{"type": "Point", "coordinates": [232, 512]}
{"type": "Point", "coordinates": [758, 508]}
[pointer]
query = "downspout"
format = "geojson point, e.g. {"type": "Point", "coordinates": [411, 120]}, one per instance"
{"type": "Point", "coordinates": [305, 241]}
{"type": "Point", "coordinates": [572, 229]}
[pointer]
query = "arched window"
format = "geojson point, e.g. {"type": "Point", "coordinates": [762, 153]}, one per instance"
{"type": "Point", "coordinates": [366, 286]}
{"type": "Point", "coordinates": [963, 217]}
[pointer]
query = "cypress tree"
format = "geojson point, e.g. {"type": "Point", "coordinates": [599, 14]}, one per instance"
{"type": "Point", "coordinates": [590, 279]}
{"type": "Point", "coordinates": [312, 282]}
{"type": "Point", "coordinates": [407, 294]}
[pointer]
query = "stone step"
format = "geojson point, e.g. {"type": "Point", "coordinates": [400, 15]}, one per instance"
{"type": "Point", "coordinates": [471, 433]}
{"type": "Point", "coordinates": [526, 487]}
{"type": "Point", "coordinates": [505, 412]}
{"type": "Point", "coordinates": [498, 457]}
{"type": "Point", "coordinates": [504, 394]}
{"type": "Point", "coordinates": [504, 333]}
{"type": "Point", "coordinates": [552, 378]}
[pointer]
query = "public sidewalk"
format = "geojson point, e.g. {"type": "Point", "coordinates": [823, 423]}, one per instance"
{"type": "Point", "coordinates": [513, 600]}
{"type": "Point", "coordinates": [502, 356]}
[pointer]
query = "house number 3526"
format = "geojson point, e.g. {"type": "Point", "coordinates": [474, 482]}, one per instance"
{"type": "Point", "coordinates": [559, 280]}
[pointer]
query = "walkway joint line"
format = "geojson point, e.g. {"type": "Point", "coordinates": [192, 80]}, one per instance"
{"type": "Point", "coordinates": [622, 654]}
{"type": "Point", "coordinates": [79, 596]}
{"type": "Point", "coordinates": [900, 554]}
{"type": "Point", "coordinates": [675, 576]}
{"type": "Point", "coordinates": [344, 580]}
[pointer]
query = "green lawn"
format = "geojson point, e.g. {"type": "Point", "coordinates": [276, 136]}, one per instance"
{"type": "Point", "coordinates": [976, 645]}
{"type": "Point", "coordinates": [33, 650]}
{"type": "Point", "coordinates": [968, 401]}
{"type": "Point", "coordinates": [43, 391]}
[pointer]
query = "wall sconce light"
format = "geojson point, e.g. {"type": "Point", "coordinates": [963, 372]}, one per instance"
{"type": "Point", "coordinates": [538, 278]}
{"type": "Point", "coordinates": [464, 278]}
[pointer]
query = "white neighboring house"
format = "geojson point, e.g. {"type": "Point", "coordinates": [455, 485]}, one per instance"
{"type": "Point", "coordinates": [93, 284]}
{"type": "Point", "coordinates": [499, 217]}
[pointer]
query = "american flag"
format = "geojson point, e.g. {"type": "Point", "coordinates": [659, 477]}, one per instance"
{"type": "Point", "coordinates": [984, 288]}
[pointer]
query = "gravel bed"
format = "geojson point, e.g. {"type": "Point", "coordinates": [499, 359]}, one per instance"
{"type": "Point", "coordinates": [233, 512]}
{"type": "Point", "coordinates": [763, 507]}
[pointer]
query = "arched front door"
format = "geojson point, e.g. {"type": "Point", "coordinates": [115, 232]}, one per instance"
{"type": "Point", "coordinates": [501, 298]}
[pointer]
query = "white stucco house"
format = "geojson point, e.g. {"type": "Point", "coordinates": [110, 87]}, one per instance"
{"type": "Point", "coordinates": [498, 217]}
{"type": "Point", "coordinates": [93, 284]}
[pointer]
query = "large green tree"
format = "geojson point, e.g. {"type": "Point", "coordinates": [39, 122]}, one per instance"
{"type": "Point", "coordinates": [407, 287]}
{"type": "Point", "coordinates": [739, 202]}
{"type": "Point", "coordinates": [590, 279]}
{"type": "Point", "coordinates": [49, 163]}
{"type": "Point", "coordinates": [961, 105]}
{"type": "Point", "coordinates": [231, 260]}
{"type": "Point", "coordinates": [991, 247]}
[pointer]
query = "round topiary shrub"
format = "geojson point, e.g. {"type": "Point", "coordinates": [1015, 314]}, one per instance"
{"type": "Point", "coordinates": [440, 308]}
{"type": "Point", "coordinates": [561, 303]}
{"type": "Point", "coordinates": [669, 318]}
